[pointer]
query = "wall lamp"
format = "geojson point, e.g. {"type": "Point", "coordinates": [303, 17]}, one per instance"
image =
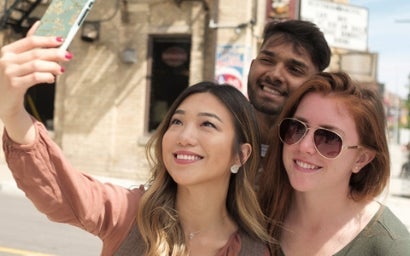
{"type": "Point", "coordinates": [90, 31]}
{"type": "Point", "coordinates": [129, 55]}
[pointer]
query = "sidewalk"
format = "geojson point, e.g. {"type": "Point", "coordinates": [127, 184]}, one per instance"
{"type": "Point", "coordinates": [396, 197]}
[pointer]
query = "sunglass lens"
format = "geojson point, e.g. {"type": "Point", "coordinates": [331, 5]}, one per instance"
{"type": "Point", "coordinates": [328, 143]}
{"type": "Point", "coordinates": [291, 131]}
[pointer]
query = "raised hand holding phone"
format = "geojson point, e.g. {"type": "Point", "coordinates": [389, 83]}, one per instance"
{"type": "Point", "coordinates": [63, 18]}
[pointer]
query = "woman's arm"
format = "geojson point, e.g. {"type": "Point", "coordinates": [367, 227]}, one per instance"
{"type": "Point", "coordinates": [23, 64]}
{"type": "Point", "coordinates": [68, 196]}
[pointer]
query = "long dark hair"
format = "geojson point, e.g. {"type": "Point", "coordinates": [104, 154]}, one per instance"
{"type": "Point", "coordinates": [157, 218]}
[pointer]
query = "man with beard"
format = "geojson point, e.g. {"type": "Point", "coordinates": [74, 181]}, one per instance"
{"type": "Point", "coordinates": [291, 52]}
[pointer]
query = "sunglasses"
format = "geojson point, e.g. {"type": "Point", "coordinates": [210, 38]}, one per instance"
{"type": "Point", "coordinates": [328, 143]}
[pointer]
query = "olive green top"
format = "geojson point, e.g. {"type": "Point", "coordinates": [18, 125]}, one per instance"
{"type": "Point", "coordinates": [385, 235]}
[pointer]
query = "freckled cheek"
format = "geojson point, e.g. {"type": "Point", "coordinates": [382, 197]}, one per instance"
{"type": "Point", "coordinates": [287, 157]}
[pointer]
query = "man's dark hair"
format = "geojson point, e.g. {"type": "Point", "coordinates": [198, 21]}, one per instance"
{"type": "Point", "coordinates": [303, 34]}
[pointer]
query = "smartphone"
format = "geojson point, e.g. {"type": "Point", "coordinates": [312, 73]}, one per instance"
{"type": "Point", "coordinates": [64, 18]}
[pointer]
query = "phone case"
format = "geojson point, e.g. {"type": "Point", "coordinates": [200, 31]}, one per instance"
{"type": "Point", "coordinates": [64, 18]}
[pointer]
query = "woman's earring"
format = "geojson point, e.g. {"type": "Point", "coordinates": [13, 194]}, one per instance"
{"type": "Point", "coordinates": [235, 168]}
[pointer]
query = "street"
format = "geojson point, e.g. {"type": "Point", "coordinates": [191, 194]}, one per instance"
{"type": "Point", "coordinates": [25, 231]}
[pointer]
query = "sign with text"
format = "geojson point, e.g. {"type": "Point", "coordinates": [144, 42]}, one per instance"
{"type": "Point", "coordinates": [344, 26]}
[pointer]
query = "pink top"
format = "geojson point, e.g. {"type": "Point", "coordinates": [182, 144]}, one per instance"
{"type": "Point", "coordinates": [68, 196]}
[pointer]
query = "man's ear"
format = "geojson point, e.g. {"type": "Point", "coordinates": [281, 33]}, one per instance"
{"type": "Point", "coordinates": [365, 157]}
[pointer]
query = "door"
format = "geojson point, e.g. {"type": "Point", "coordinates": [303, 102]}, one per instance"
{"type": "Point", "coordinates": [170, 57]}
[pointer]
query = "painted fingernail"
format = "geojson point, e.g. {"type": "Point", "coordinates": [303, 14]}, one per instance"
{"type": "Point", "coordinates": [68, 55]}
{"type": "Point", "coordinates": [59, 39]}
{"type": "Point", "coordinates": [62, 69]}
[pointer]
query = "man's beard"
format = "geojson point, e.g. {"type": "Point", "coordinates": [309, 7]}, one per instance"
{"type": "Point", "coordinates": [268, 110]}
{"type": "Point", "coordinates": [261, 107]}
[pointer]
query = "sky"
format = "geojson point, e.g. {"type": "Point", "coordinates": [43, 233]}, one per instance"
{"type": "Point", "coordinates": [390, 39]}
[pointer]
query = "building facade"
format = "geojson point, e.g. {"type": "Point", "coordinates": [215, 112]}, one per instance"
{"type": "Point", "coordinates": [131, 59]}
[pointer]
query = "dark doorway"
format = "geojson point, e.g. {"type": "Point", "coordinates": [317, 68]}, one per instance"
{"type": "Point", "coordinates": [169, 74]}
{"type": "Point", "coordinates": [39, 102]}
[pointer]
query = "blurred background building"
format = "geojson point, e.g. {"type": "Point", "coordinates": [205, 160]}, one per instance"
{"type": "Point", "coordinates": [133, 57]}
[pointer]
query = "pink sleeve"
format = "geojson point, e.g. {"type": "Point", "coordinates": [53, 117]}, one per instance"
{"type": "Point", "coordinates": [68, 196]}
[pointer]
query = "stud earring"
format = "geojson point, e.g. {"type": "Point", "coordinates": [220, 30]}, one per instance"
{"type": "Point", "coordinates": [235, 168]}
